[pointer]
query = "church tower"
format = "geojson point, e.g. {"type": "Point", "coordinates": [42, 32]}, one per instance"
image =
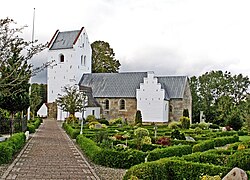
{"type": "Point", "coordinates": [70, 54]}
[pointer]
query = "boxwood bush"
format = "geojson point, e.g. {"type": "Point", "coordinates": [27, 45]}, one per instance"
{"type": "Point", "coordinates": [33, 124]}
{"type": "Point", "coordinates": [168, 168]}
{"type": "Point", "coordinates": [169, 152]}
{"type": "Point", "coordinates": [73, 133]}
{"type": "Point", "coordinates": [203, 146]}
{"type": "Point", "coordinates": [11, 146]}
{"type": "Point", "coordinates": [110, 157]}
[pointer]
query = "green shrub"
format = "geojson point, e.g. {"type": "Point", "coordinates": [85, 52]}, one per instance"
{"type": "Point", "coordinates": [90, 118]}
{"type": "Point", "coordinates": [11, 147]}
{"type": "Point", "coordinates": [109, 157]}
{"type": "Point", "coordinates": [33, 124]}
{"type": "Point", "coordinates": [138, 117]}
{"type": "Point", "coordinates": [73, 133]}
{"type": "Point", "coordinates": [174, 169]}
{"type": "Point", "coordinates": [177, 135]}
{"type": "Point", "coordinates": [169, 152]}
{"type": "Point", "coordinates": [198, 130]}
{"type": "Point", "coordinates": [207, 157]}
{"type": "Point", "coordinates": [240, 159]}
{"type": "Point", "coordinates": [185, 122]}
{"type": "Point", "coordinates": [115, 121]}
{"type": "Point", "coordinates": [203, 125]}
{"type": "Point", "coordinates": [203, 146]}
{"type": "Point", "coordinates": [31, 128]}
{"type": "Point", "coordinates": [183, 142]}
{"type": "Point", "coordinates": [214, 126]}
{"type": "Point", "coordinates": [235, 121]}
{"type": "Point", "coordinates": [222, 141]}
{"type": "Point", "coordinates": [103, 121]}
{"type": "Point", "coordinates": [174, 125]}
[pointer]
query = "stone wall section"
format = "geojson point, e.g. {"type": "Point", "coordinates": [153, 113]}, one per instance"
{"type": "Point", "coordinates": [114, 109]}
{"type": "Point", "coordinates": [52, 110]}
{"type": "Point", "coordinates": [178, 105]}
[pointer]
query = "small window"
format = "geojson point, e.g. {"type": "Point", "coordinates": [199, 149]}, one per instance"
{"type": "Point", "coordinates": [93, 112]}
{"type": "Point", "coordinates": [122, 104]}
{"type": "Point", "coordinates": [84, 61]}
{"type": "Point", "coordinates": [106, 104]}
{"type": "Point", "coordinates": [61, 58]}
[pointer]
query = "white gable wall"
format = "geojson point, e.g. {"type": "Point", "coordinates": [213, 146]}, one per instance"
{"type": "Point", "coordinates": [150, 100]}
{"type": "Point", "coordinates": [43, 111]}
{"type": "Point", "coordinates": [70, 71]}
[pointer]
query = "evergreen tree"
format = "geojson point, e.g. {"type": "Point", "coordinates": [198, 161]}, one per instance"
{"type": "Point", "coordinates": [103, 58]}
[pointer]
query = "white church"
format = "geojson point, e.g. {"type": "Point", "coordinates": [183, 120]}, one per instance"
{"type": "Point", "coordinates": [112, 95]}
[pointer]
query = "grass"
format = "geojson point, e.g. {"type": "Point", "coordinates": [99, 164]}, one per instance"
{"type": "Point", "coordinates": [244, 138]}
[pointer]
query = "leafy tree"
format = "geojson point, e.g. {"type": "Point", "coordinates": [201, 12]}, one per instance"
{"type": "Point", "coordinates": [103, 58]}
{"type": "Point", "coordinates": [218, 93]}
{"type": "Point", "coordinates": [235, 121]}
{"type": "Point", "coordinates": [72, 100]}
{"type": "Point", "coordinates": [15, 71]}
{"type": "Point", "coordinates": [196, 100]}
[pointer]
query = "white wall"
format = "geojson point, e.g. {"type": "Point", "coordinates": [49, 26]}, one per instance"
{"type": "Point", "coordinates": [70, 71]}
{"type": "Point", "coordinates": [90, 110]}
{"type": "Point", "coordinates": [43, 111]}
{"type": "Point", "coordinates": [150, 100]}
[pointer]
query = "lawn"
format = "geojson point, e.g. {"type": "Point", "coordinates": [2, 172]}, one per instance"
{"type": "Point", "coordinates": [244, 138]}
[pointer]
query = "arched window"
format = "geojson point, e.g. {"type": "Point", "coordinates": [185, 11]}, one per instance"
{"type": "Point", "coordinates": [122, 104]}
{"type": "Point", "coordinates": [106, 104]}
{"type": "Point", "coordinates": [61, 58]}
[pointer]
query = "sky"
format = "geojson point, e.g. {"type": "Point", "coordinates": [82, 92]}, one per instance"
{"type": "Point", "coordinates": [169, 37]}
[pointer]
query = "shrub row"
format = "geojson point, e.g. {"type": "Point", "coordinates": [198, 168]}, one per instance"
{"type": "Point", "coordinates": [216, 142]}
{"type": "Point", "coordinates": [33, 125]}
{"type": "Point", "coordinates": [240, 159]}
{"type": "Point", "coordinates": [73, 133]}
{"type": "Point", "coordinates": [109, 157]}
{"type": "Point", "coordinates": [207, 157]}
{"type": "Point", "coordinates": [11, 146]}
{"type": "Point", "coordinates": [171, 169]}
{"type": "Point", "coordinates": [169, 152]}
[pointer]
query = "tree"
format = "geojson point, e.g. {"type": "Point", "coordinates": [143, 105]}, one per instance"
{"type": "Point", "coordinates": [103, 58]}
{"type": "Point", "coordinates": [35, 99]}
{"type": "Point", "coordinates": [15, 71]}
{"type": "Point", "coordinates": [72, 100]}
{"type": "Point", "coordinates": [138, 117]}
{"type": "Point", "coordinates": [218, 94]}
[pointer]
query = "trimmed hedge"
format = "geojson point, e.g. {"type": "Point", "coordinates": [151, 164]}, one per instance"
{"type": "Point", "coordinates": [33, 125]}
{"type": "Point", "coordinates": [207, 157]}
{"type": "Point", "coordinates": [169, 152]}
{"type": "Point", "coordinates": [216, 142]}
{"type": "Point", "coordinates": [203, 146]}
{"type": "Point", "coordinates": [240, 159]}
{"type": "Point", "coordinates": [73, 133]}
{"type": "Point", "coordinates": [109, 157]}
{"type": "Point", "coordinates": [11, 146]}
{"type": "Point", "coordinates": [174, 169]}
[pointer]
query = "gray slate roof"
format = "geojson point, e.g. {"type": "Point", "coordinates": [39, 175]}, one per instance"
{"type": "Point", "coordinates": [125, 84]}
{"type": "Point", "coordinates": [64, 40]}
{"type": "Point", "coordinates": [113, 84]}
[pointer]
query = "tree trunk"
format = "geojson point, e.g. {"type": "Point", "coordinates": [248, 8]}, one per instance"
{"type": "Point", "coordinates": [12, 124]}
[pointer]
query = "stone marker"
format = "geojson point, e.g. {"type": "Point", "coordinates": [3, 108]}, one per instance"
{"type": "Point", "coordinates": [236, 174]}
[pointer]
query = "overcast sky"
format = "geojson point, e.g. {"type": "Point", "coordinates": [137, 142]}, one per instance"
{"type": "Point", "coordinates": [169, 37]}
